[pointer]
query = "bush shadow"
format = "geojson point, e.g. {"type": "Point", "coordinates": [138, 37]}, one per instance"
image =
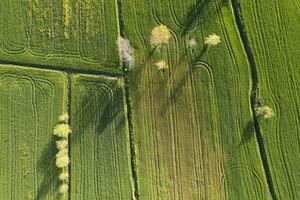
{"type": "Point", "coordinates": [46, 166]}
{"type": "Point", "coordinates": [248, 133]}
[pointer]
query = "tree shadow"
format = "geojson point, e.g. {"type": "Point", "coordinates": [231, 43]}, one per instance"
{"type": "Point", "coordinates": [109, 109]}
{"type": "Point", "coordinates": [134, 76]}
{"type": "Point", "coordinates": [201, 54]}
{"type": "Point", "coordinates": [99, 112]}
{"type": "Point", "coordinates": [194, 13]}
{"type": "Point", "coordinates": [248, 133]}
{"type": "Point", "coordinates": [174, 92]}
{"type": "Point", "coordinates": [111, 112]}
{"type": "Point", "coordinates": [149, 54]}
{"type": "Point", "coordinates": [46, 165]}
{"type": "Point", "coordinates": [196, 10]}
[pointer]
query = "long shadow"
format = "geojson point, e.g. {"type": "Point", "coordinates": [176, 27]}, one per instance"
{"type": "Point", "coordinates": [111, 112]}
{"type": "Point", "coordinates": [97, 115]}
{"type": "Point", "coordinates": [194, 13]}
{"type": "Point", "coordinates": [134, 76]}
{"type": "Point", "coordinates": [46, 165]}
{"type": "Point", "coordinates": [174, 93]}
{"type": "Point", "coordinates": [109, 109]}
{"type": "Point", "coordinates": [248, 133]}
{"type": "Point", "coordinates": [197, 10]}
{"type": "Point", "coordinates": [172, 77]}
{"type": "Point", "coordinates": [60, 68]}
{"type": "Point", "coordinates": [201, 54]}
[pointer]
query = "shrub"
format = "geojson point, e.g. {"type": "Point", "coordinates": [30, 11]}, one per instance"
{"type": "Point", "coordinates": [64, 118]}
{"type": "Point", "coordinates": [62, 130]}
{"type": "Point", "coordinates": [62, 152]}
{"type": "Point", "coordinates": [264, 112]}
{"type": "Point", "coordinates": [63, 189]}
{"type": "Point", "coordinates": [62, 144]}
{"type": "Point", "coordinates": [64, 176]}
{"type": "Point", "coordinates": [192, 43]}
{"type": "Point", "coordinates": [62, 161]}
{"type": "Point", "coordinates": [161, 65]}
{"type": "Point", "coordinates": [212, 40]}
{"type": "Point", "coordinates": [126, 52]}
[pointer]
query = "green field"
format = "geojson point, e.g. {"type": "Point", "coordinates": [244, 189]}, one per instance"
{"type": "Point", "coordinates": [100, 166]}
{"type": "Point", "coordinates": [30, 102]}
{"type": "Point", "coordinates": [272, 28]}
{"type": "Point", "coordinates": [190, 132]}
{"type": "Point", "coordinates": [193, 141]}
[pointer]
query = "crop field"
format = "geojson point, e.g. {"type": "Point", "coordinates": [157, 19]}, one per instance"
{"type": "Point", "coordinates": [272, 28]}
{"type": "Point", "coordinates": [149, 100]}
{"type": "Point", "coordinates": [30, 101]}
{"type": "Point", "coordinates": [100, 167]}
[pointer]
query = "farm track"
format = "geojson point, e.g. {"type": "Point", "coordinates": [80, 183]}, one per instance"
{"type": "Point", "coordinates": [66, 70]}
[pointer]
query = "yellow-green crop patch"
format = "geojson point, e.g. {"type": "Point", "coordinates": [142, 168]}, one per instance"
{"type": "Point", "coordinates": [30, 102]}
{"type": "Point", "coordinates": [63, 33]}
{"type": "Point", "coordinates": [100, 167]}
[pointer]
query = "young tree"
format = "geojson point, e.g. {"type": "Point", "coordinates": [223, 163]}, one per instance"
{"type": "Point", "coordinates": [161, 66]}
{"type": "Point", "coordinates": [62, 130]}
{"type": "Point", "coordinates": [159, 35]}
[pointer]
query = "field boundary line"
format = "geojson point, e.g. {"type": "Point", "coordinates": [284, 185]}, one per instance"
{"type": "Point", "coordinates": [134, 174]}
{"type": "Point", "coordinates": [69, 111]}
{"type": "Point", "coordinates": [61, 69]}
